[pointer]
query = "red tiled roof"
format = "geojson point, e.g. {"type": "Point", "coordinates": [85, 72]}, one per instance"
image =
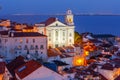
{"type": "Point", "coordinates": [2, 67]}
{"type": "Point", "coordinates": [30, 67]}
{"type": "Point", "coordinates": [50, 20]}
{"type": "Point", "coordinates": [15, 64]}
{"type": "Point", "coordinates": [52, 53]}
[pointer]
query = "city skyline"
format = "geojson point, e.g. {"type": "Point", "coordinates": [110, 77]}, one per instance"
{"type": "Point", "coordinates": [54, 7]}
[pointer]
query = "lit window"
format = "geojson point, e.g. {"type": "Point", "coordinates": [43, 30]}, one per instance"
{"type": "Point", "coordinates": [19, 47]}
{"type": "Point", "coordinates": [21, 40]}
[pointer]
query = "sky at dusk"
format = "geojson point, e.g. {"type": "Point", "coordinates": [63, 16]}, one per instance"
{"type": "Point", "coordinates": [58, 6]}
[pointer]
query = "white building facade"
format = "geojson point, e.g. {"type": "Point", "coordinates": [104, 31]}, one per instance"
{"type": "Point", "coordinates": [13, 44]}
{"type": "Point", "coordinates": [59, 34]}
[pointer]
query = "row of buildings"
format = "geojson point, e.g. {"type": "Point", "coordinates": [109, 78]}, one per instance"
{"type": "Point", "coordinates": [20, 39]}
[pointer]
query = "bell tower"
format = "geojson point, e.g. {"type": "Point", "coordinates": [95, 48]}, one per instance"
{"type": "Point", "coordinates": [69, 18]}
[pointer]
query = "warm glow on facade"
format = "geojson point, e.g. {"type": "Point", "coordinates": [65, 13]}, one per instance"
{"type": "Point", "coordinates": [86, 53]}
{"type": "Point", "coordinates": [1, 77]}
{"type": "Point", "coordinates": [5, 23]}
{"type": "Point", "coordinates": [79, 61]}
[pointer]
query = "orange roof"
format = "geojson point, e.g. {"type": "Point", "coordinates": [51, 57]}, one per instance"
{"type": "Point", "coordinates": [51, 53]}
{"type": "Point", "coordinates": [27, 68]}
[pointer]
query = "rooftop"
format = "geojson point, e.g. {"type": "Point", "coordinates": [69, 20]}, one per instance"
{"type": "Point", "coordinates": [27, 68]}
{"type": "Point", "coordinates": [2, 67]}
{"type": "Point", "coordinates": [22, 34]}
{"type": "Point", "coordinates": [15, 64]}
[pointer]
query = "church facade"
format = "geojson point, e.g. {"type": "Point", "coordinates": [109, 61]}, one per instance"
{"type": "Point", "coordinates": [59, 34]}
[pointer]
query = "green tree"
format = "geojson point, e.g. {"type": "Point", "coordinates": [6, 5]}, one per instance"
{"type": "Point", "coordinates": [78, 38]}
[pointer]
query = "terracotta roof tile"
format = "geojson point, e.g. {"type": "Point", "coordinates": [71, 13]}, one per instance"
{"type": "Point", "coordinates": [27, 68]}
{"type": "Point", "coordinates": [50, 20]}
{"type": "Point", "coordinates": [51, 53]}
{"type": "Point", "coordinates": [15, 64]}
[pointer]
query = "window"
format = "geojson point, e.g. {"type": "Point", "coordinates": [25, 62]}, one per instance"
{"type": "Point", "coordinates": [26, 48]}
{"type": "Point", "coordinates": [15, 52]}
{"type": "Point", "coordinates": [56, 38]}
{"type": "Point", "coordinates": [56, 33]}
{"type": "Point", "coordinates": [36, 53]}
{"type": "Point", "coordinates": [56, 45]}
{"type": "Point", "coordinates": [31, 47]}
{"type": "Point", "coordinates": [49, 34]}
{"type": "Point", "coordinates": [42, 32]}
{"type": "Point", "coordinates": [56, 24]}
{"type": "Point", "coordinates": [21, 40]}
{"type": "Point", "coordinates": [36, 47]}
{"type": "Point", "coordinates": [26, 40]}
{"type": "Point", "coordinates": [49, 39]}
{"type": "Point", "coordinates": [33, 40]}
{"type": "Point", "coordinates": [63, 33]}
{"type": "Point", "coordinates": [41, 47]}
{"type": "Point", "coordinates": [19, 47]}
{"type": "Point", "coordinates": [70, 40]}
{"type": "Point", "coordinates": [70, 34]}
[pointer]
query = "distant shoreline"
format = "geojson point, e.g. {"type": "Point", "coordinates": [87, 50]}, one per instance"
{"type": "Point", "coordinates": [64, 14]}
{"type": "Point", "coordinates": [60, 15]}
